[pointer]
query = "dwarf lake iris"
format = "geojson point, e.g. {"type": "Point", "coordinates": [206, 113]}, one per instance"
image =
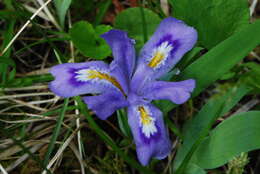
{"type": "Point", "coordinates": [125, 83]}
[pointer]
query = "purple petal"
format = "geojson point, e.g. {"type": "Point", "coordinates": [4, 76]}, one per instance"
{"type": "Point", "coordinates": [123, 51]}
{"type": "Point", "coordinates": [143, 75]}
{"type": "Point", "coordinates": [73, 79]}
{"type": "Point", "coordinates": [106, 104]}
{"type": "Point", "coordinates": [116, 72]}
{"type": "Point", "coordinates": [150, 135]}
{"type": "Point", "coordinates": [177, 92]}
{"type": "Point", "coordinates": [172, 39]}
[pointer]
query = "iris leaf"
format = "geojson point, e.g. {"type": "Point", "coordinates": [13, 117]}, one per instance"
{"type": "Point", "coordinates": [219, 60]}
{"type": "Point", "coordinates": [62, 7]}
{"type": "Point", "coordinates": [194, 169]}
{"type": "Point", "coordinates": [239, 133]}
{"type": "Point", "coordinates": [202, 122]}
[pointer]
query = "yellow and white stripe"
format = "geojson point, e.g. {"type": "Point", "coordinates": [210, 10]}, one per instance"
{"type": "Point", "coordinates": [159, 55]}
{"type": "Point", "coordinates": [146, 121]}
{"type": "Point", "coordinates": [85, 75]}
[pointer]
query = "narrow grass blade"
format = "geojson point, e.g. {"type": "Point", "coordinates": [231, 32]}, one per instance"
{"type": "Point", "coordinates": [103, 7]}
{"type": "Point", "coordinates": [19, 142]}
{"type": "Point", "coordinates": [145, 35]}
{"type": "Point", "coordinates": [55, 133]}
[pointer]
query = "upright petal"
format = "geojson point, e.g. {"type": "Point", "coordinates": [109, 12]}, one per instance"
{"type": "Point", "coordinates": [106, 104]}
{"type": "Point", "coordinates": [123, 51]}
{"type": "Point", "coordinates": [73, 79]}
{"type": "Point", "coordinates": [177, 92]}
{"type": "Point", "coordinates": [172, 39]}
{"type": "Point", "coordinates": [150, 135]}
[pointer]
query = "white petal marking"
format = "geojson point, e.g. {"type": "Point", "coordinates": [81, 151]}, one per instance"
{"type": "Point", "coordinates": [146, 121]}
{"type": "Point", "coordinates": [99, 76]}
{"type": "Point", "coordinates": [159, 55]}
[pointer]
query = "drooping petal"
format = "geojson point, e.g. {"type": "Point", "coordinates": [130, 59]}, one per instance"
{"type": "Point", "coordinates": [123, 51]}
{"type": "Point", "coordinates": [172, 39]}
{"type": "Point", "coordinates": [106, 103]}
{"type": "Point", "coordinates": [73, 79]}
{"type": "Point", "coordinates": [177, 92]}
{"type": "Point", "coordinates": [150, 135]}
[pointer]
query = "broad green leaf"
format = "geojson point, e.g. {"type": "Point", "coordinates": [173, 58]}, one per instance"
{"type": "Point", "coordinates": [215, 20]}
{"type": "Point", "coordinates": [88, 40]}
{"type": "Point", "coordinates": [228, 75]}
{"type": "Point", "coordinates": [214, 108]}
{"type": "Point", "coordinates": [189, 57]}
{"type": "Point", "coordinates": [239, 133]}
{"type": "Point", "coordinates": [194, 169]}
{"type": "Point", "coordinates": [131, 21]}
{"type": "Point", "coordinates": [219, 60]}
{"type": "Point", "coordinates": [62, 6]}
{"type": "Point", "coordinates": [100, 29]}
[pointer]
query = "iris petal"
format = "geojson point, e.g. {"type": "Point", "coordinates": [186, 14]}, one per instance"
{"type": "Point", "coordinates": [150, 135]}
{"type": "Point", "coordinates": [172, 39]}
{"type": "Point", "coordinates": [72, 79]}
{"type": "Point", "coordinates": [177, 92]}
{"type": "Point", "coordinates": [106, 104]}
{"type": "Point", "coordinates": [123, 52]}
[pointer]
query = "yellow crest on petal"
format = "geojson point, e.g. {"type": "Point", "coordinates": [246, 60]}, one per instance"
{"type": "Point", "coordinates": [92, 74]}
{"type": "Point", "coordinates": [145, 117]}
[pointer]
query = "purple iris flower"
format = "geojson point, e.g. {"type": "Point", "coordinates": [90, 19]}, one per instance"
{"type": "Point", "coordinates": [125, 83]}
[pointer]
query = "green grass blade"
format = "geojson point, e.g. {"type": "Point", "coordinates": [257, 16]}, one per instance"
{"type": "Point", "coordinates": [19, 142]}
{"type": "Point", "coordinates": [8, 34]}
{"type": "Point", "coordinates": [123, 122]}
{"type": "Point", "coordinates": [145, 35]}
{"type": "Point", "coordinates": [103, 7]}
{"type": "Point", "coordinates": [55, 133]}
